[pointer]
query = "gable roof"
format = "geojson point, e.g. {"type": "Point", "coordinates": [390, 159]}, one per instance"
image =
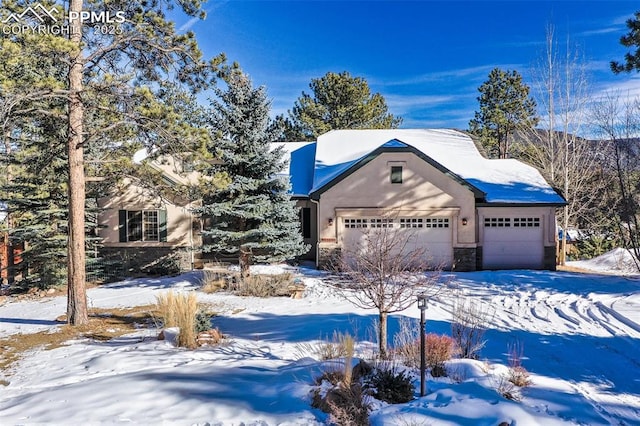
{"type": "Point", "coordinates": [340, 152]}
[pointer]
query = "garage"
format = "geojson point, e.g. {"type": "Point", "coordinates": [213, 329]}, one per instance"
{"type": "Point", "coordinates": [512, 242]}
{"type": "Point", "coordinates": [432, 233]}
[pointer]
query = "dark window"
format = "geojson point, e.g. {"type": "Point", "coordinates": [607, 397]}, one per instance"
{"type": "Point", "coordinates": [134, 226]}
{"type": "Point", "coordinates": [143, 225]}
{"type": "Point", "coordinates": [306, 222]}
{"type": "Point", "coordinates": [396, 174]}
{"type": "Point", "coordinates": [497, 222]}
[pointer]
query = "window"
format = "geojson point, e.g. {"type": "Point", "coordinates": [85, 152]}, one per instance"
{"type": "Point", "coordinates": [526, 222]}
{"type": "Point", "coordinates": [356, 223]}
{"type": "Point", "coordinates": [381, 223]}
{"type": "Point", "coordinates": [143, 225]}
{"type": "Point", "coordinates": [396, 174]}
{"type": "Point", "coordinates": [411, 223]}
{"type": "Point", "coordinates": [436, 222]}
{"type": "Point", "coordinates": [497, 222]}
{"type": "Point", "coordinates": [428, 222]}
{"type": "Point", "coordinates": [305, 221]}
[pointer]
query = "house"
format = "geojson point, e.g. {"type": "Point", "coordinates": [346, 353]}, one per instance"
{"type": "Point", "coordinates": [469, 212]}
{"type": "Point", "coordinates": [141, 229]}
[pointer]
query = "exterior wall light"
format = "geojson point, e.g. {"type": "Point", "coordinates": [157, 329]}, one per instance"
{"type": "Point", "coordinates": [464, 221]}
{"type": "Point", "coordinates": [330, 221]}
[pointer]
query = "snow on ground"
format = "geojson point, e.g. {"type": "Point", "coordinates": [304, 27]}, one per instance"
{"type": "Point", "coordinates": [580, 333]}
{"type": "Point", "coordinates": [616, 261]}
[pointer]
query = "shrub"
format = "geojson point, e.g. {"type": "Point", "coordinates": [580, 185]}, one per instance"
{"type": "Point", "coordinates": [406, 342]}
{"type": "Point", "coordinates": [391, 385]}
{"type": "Point", "coordinates": [348, 406]}
{"type": "Point", "coordinates": [212, 282]}
{"type": "Point", "coordinates": [340, 393]}
{"type": "Point", "coordinates": [504, 387]}
{"type": "Point", "coordinates": [202, 321]}
{"type": "Point", "coordinates": [264, 285]}
{"type": "Point", "coordinates": [179, 310]}
{"type": "Point", "coordinates": [438, 349]}
{"type": "Point", "coordinates": [518, 375]}
{"type": "Point", "coordinates": [166, 265]}
{"type": "Point", "coordinates": [467, 328]}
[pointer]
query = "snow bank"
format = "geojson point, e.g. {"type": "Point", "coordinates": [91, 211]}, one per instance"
{"type": "Point", "coordinates": [616, 261]}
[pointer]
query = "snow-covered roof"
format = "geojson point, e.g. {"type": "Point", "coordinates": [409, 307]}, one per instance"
{"type": "Point", "coordinates": [314, 165]}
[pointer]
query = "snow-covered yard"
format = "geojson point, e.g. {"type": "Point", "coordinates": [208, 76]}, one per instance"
{"type": "Point", "coordinates": [581, 337]}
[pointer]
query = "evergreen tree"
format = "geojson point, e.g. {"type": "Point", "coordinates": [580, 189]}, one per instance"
{"type": "Point", "coordinates": [253, 216]}
{"type": "Point", "coordinates": [110, 86]}
{"type": "Point", "coordinates": [631, 39]}
{"type": "Point", "coordinates": [337, 101]}
{"type": "Point", "coordinates": [505, 106]}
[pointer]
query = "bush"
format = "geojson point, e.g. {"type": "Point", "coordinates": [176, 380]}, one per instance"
{"type": "Point", "coordinates": [467, 328]}
{"type": "Point", "coordinates": [179, 310]}
{"type": "Point", "coordinates": [348, 406]}
{"type": "Point", "coordinates": [212, 282]}
{"type": "Point", "coordinates": [391, 385]}
{"type": "Point", "coordinates": [438, 349]}
{"type": "Point", "coordinates": [406, 342]}
{"type": "Point", "coordinates": [166, 265]}
{"type": "Point", "coordinates": [202, 321]}
{"type": "Point", "coordinates": [518, 375]}
{"type": "Point", "coordinates": [264, 285]}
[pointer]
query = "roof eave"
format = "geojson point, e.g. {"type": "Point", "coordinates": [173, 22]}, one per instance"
{"type": "Point", "coordinates": [521, 204]}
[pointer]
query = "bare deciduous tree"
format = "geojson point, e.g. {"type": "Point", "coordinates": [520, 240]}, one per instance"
{"type": "Point", "coordinates": [385, 271]}
{"type": "Point", "coordinates": [618, 122]}
{"type": "Point", "coordinates": [565, 157]}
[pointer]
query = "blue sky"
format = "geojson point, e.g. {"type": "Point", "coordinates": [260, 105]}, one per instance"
{"type": "Point", "coordinates": [427, 58]}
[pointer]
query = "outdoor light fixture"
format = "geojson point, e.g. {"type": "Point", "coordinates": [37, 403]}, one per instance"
{"type": "Point", "coordinates": [330, 221]}
{"type": "Point", "coordinates": [464, 221]}
{"type": "Point", "coordinates": [422, 305]}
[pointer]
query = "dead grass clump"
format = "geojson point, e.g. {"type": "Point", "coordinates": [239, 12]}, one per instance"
{"type": "Point", "coordinates": [277, 285]}
{"type": "Point", "coordinates": [212, 282]}
{"type": "Point", "coordinates": [518, 375]}
{"type": "Point", "coordinates": [104, 324]}
{"type": "Point", "coordinates": [326, 349]}
{"type": "Point", "coordinates": [180, 310]}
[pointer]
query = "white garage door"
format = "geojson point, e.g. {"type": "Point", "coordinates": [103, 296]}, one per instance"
{"type": "Point", "coordinates": [512, 242]}
{"type": "Point", "coordinates": [433, 234]}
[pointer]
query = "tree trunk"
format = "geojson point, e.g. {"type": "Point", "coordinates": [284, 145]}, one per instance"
{"type": "Point", "coordinates": [382, 335]}
{"type": "Point", "coordinates": [245, 261]}
{"type": "Point", "coordinates": [77, 297]}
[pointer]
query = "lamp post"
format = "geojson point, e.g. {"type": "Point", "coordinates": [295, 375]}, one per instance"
{"type": "Point", "coordinates": [422, 305]}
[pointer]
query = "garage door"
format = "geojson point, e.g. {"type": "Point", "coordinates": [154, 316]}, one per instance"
{"type": "Point", "coordinates": [433, 234]}
{"type": "Point", "coordinates": [512, 242]}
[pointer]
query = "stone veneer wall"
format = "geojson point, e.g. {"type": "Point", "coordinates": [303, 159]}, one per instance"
{"type": "Point", "coordinates": [328, 256]}
{"type": "Point", "coordinates": [549, 262]}
{"type": "Point", "coordinates": [125, 261]}
{"type": "Point", "coordinates": [464, 259]}
{"type": "Point", "coordinates": [479, 258]}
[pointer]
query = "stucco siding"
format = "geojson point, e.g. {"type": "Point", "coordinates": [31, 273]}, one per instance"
{"type": "Point", "coordinates": [132, 197]}
{"type": "Point", "coordinates": [424, 192]}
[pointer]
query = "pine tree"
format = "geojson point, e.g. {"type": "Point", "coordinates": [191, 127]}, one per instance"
{"type": "Point", "coordinates": [104, 81]}
{"type": "Point", "coordinates": [631, 40]}
{"type": "Point", "coordinates": [338, 101]}
{"type": "Point", "coordinates": [253, 217]}
{"type": "Point", "coordinates": [505, 106]}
